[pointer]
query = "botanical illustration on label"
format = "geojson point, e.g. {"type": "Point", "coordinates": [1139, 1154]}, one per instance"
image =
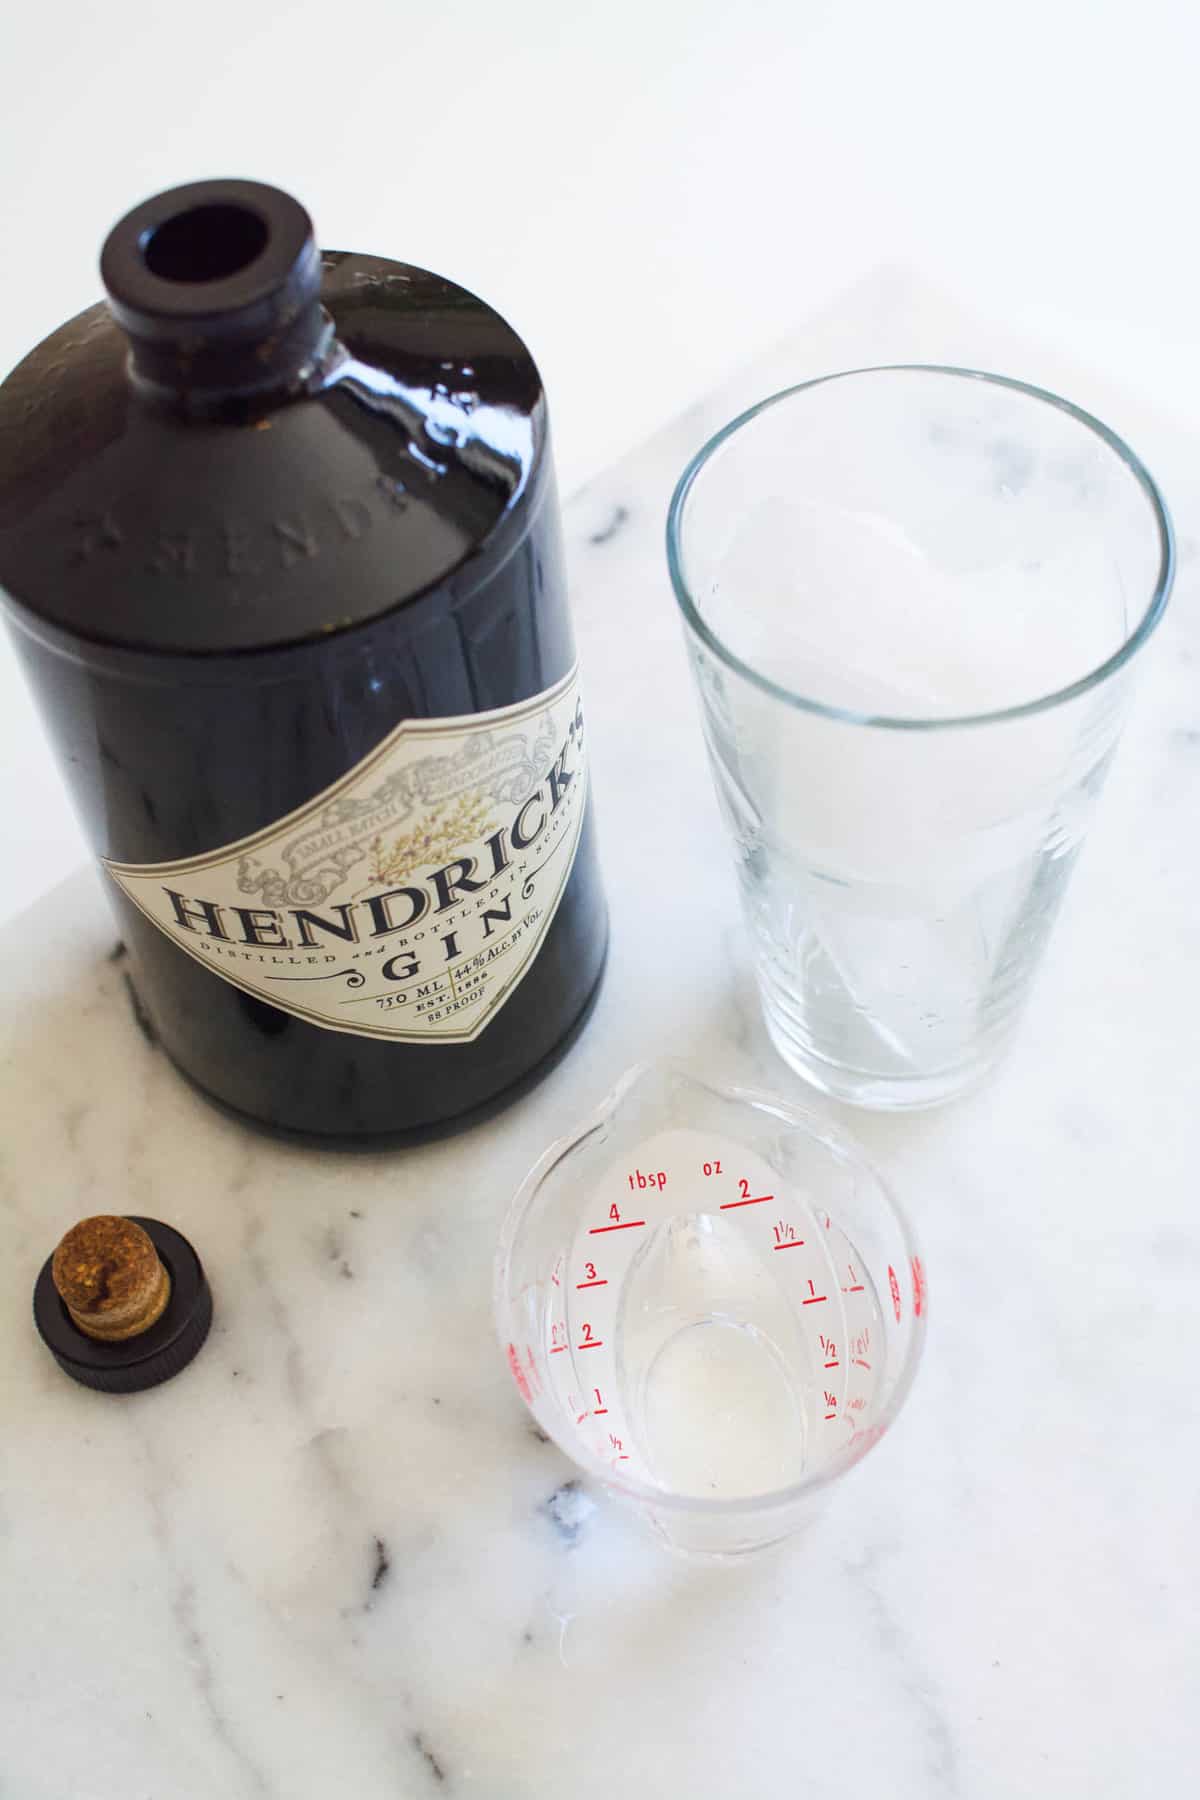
{"type": "Point", "coordinates": [409, 899]}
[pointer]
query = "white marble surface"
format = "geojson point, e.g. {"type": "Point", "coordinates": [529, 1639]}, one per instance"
{"type": "Point", "coordinates": [328, 1558]}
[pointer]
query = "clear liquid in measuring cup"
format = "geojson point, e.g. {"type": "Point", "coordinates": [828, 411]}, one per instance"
{"type": "Point", "coordinates": [711, 1330]}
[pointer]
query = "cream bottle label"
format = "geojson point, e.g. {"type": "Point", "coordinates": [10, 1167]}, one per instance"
{"type": "Point", "coordinates": [408, 900]}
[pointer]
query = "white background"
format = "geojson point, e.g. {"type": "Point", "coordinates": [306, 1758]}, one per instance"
{"type": "Point", "coordinates": [650, 191]}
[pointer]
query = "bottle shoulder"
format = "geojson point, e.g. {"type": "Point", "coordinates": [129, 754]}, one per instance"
{"type": "Point", "coordinates": [413, 457]}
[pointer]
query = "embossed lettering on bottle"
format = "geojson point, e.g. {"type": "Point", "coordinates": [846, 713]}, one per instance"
{"type": "Point", "coordinates": [408, 900]}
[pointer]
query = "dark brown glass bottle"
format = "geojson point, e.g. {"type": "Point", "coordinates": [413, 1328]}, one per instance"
{"type": "Point", "coordinates": [280, 545]}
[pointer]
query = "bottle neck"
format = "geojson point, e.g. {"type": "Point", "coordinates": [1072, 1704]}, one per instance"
{"type": "Point", "coordinates": [217, 286]}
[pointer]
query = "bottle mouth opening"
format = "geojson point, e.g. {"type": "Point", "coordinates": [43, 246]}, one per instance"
{"type": "Point", "coordinates": [217, 285]}
{"type": "Point", "coordinates": [205, 243]}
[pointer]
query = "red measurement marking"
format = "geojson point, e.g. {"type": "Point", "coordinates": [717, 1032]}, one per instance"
{"type": "Point", "coordinates": [751, 1200]}
{"type": "Point", "coordinates": [831, 1415]}
{"type": "Point", "coordinates": [858, 1363]}
{"type": "Point", "coordinates": [862, 1440]}
{"type": "Point", "coordinates": [895, 1287]}
{"type": "Point", "coordinates": [813, 1299]}
{"type": "Point", "coordinates": [598, 1413]}
{"type": "Point", "coordinates": [624, 1458]}
{"type": "Point", "coordinates": [918, 1282]}
{"type": "Point", "coordinates": [833, 1364]}
{"type": "Point", "coordinates": [586, 1284]}
{"type": "Point", "coordinates": [792, 1244]}
{"type": "Point", "coordinates": [518, 1374]}
{"type": "Point", "coordinates": [629, 1225]}
{"type": "Point", "coordinates": [860, 1289]}
{"type": "Point", "coordinates": [581, 1418]}
{"type": "Point", "coordinates": [557, 1349]}
{"type": "Point", "coordinates": [590, 1344]}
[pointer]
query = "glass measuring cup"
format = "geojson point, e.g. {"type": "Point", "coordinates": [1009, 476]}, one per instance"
{"type": "Point", "coordinates": [710, 1301]}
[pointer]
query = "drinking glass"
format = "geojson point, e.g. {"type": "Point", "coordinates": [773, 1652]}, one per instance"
{"type": "Point", "coordinates": [913, 600]}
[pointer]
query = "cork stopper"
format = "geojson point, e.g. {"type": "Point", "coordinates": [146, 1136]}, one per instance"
{"type": "Point", "coordinates": [110, 1279]}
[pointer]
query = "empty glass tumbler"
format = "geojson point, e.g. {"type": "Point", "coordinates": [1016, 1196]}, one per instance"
{"type": "Point", "coordinates": [913, 599]}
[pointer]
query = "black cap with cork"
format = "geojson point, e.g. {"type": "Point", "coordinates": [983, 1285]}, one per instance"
{"type": "Point", "coordinates": [123, 1303]}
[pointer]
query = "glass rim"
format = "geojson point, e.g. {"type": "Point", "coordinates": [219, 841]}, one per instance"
{"type": "Point", "coordinates": [1124, 652]}
{"type": "Point", "coordinates": [800, 1118]}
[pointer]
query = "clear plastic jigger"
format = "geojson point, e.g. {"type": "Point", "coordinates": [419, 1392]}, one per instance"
{"type": "Point", "coordinates": [710, 1301]}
